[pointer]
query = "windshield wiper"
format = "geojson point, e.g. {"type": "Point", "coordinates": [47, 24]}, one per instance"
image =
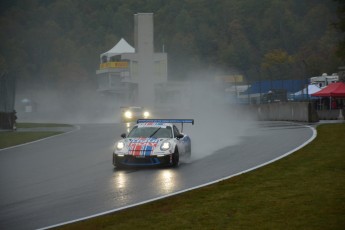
{"type": "Point", "coordinates": [154, 132]}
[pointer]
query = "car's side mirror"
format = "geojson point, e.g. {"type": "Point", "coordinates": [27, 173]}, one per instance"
{"type": "Point", "coordinates": [179, 136]}
{"type": "Point", "coordinates": [123, 135]}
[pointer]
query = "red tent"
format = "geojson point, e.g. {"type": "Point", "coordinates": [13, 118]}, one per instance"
{"type": "Point", "coordinates": [332, 90]}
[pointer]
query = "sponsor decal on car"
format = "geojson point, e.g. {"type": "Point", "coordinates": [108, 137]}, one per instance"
{"type": "Point", "coordinates": [152, 124]}
{"type": "Point", "coordinates": [142, 146]}
{"type": "Point", "coordinates": [144, 140]}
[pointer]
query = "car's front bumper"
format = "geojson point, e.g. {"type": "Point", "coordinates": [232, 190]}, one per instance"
{"type": "Point", "coordinates": [130, 160]}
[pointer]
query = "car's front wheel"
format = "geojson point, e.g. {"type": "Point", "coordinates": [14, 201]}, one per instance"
{"type": "Point", "coordinates": [116, 163]}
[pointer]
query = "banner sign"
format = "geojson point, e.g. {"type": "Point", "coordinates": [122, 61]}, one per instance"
{"type": "Point", "coordinates": [120, 65]}
{"type": "Point", "coordinates": [233, 78]}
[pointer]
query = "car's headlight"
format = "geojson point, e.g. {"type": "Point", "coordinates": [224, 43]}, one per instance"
{"type": "Point", "coordinates": [128, 114]}
{"type": "Point", "coordinates": [120, 145]}
{"type": "Point", "coordinates": [146, 114]}
{"type": "Point", "coordinates": [165, 146]}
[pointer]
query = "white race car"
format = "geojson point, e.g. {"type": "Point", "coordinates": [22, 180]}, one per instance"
{"type": "Point", "coordinates": [133, 113]}
{"type": "Point", "coordinates": [153, 142]}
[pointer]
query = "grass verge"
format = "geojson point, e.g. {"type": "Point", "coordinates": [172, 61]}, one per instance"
{"type": "Point", "coordinates": [40, 125]}
{"type": "Point", "coordinates": [12, 138]}
{"type": "Point", "coordinates": [302, 191]}
{"type": "Point", "coordinates": [8, 139]}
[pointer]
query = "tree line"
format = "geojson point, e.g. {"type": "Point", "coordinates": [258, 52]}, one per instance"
{"type": "Point", "coordinates": [57, 43]}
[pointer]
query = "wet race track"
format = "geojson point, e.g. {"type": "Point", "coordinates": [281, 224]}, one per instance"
{"type": "Point", "coordinates": [71, 176]}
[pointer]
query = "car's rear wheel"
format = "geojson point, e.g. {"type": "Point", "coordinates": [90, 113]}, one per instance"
{"type": "Point", "coordinates": [189, 153]}
{"type": "Point", "coordinates": [175, 158]}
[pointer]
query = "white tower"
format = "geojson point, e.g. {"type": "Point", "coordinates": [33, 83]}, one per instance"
{"type": "Point", "coordinates": [152, 67]}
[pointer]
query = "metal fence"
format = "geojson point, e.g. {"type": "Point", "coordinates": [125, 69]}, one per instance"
{"type": "Point", "coordinates": [274, 90]}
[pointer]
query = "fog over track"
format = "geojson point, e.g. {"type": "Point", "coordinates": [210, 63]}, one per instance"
{"type": "Point", "coordinates": [71, 176]}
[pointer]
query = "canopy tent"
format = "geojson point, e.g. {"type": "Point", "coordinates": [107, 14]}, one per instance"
{"type": "Point", "coordinates": [121, 47]}
{"type": "Point", "coordinates": [311, 89]}
{"type": "Point", "coordinates": [332, 90]}
{"type": "Point", "coordinates": [304, 93]}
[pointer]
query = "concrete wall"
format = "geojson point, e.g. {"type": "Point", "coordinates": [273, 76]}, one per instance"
{"type": "Point", "coordinates": [334, 114]}
{"type": "Point", "coordinates": [287, 111]}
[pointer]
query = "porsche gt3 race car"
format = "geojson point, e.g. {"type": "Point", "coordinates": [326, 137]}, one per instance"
{"type": "Point", "coordinates": [153, 142]}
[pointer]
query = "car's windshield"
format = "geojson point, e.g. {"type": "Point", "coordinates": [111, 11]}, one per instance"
{"type": "Point", "coordinates": [155, 132]}
{"type": "Point", "coordinates": [135, 109]}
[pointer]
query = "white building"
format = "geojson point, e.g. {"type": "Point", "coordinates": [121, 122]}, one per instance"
{"type": "Point", "coordinates": [324, 80]}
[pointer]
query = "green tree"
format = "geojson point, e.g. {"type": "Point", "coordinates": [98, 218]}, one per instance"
{"type": "Point", "coordinates": [340, 25]}
{"type": "Point", "coordinates": [276, 64]}
{"type": "Point", "coordinates": [41, 39]}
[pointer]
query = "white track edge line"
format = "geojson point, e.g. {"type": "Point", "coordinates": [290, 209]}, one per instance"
{"type": "Point", "coordinates": [189, 189]}
{"type": "Point", "coordinates": [27, 143]}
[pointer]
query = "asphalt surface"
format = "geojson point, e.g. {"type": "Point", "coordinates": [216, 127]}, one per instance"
{"type": "Point", "coordinates": [71, 176]}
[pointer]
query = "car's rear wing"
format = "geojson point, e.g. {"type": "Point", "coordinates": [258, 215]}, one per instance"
{"type": "Point", "coordinates": [191, 121]}
{"type": "Point", "coordinates": [181, 121]}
